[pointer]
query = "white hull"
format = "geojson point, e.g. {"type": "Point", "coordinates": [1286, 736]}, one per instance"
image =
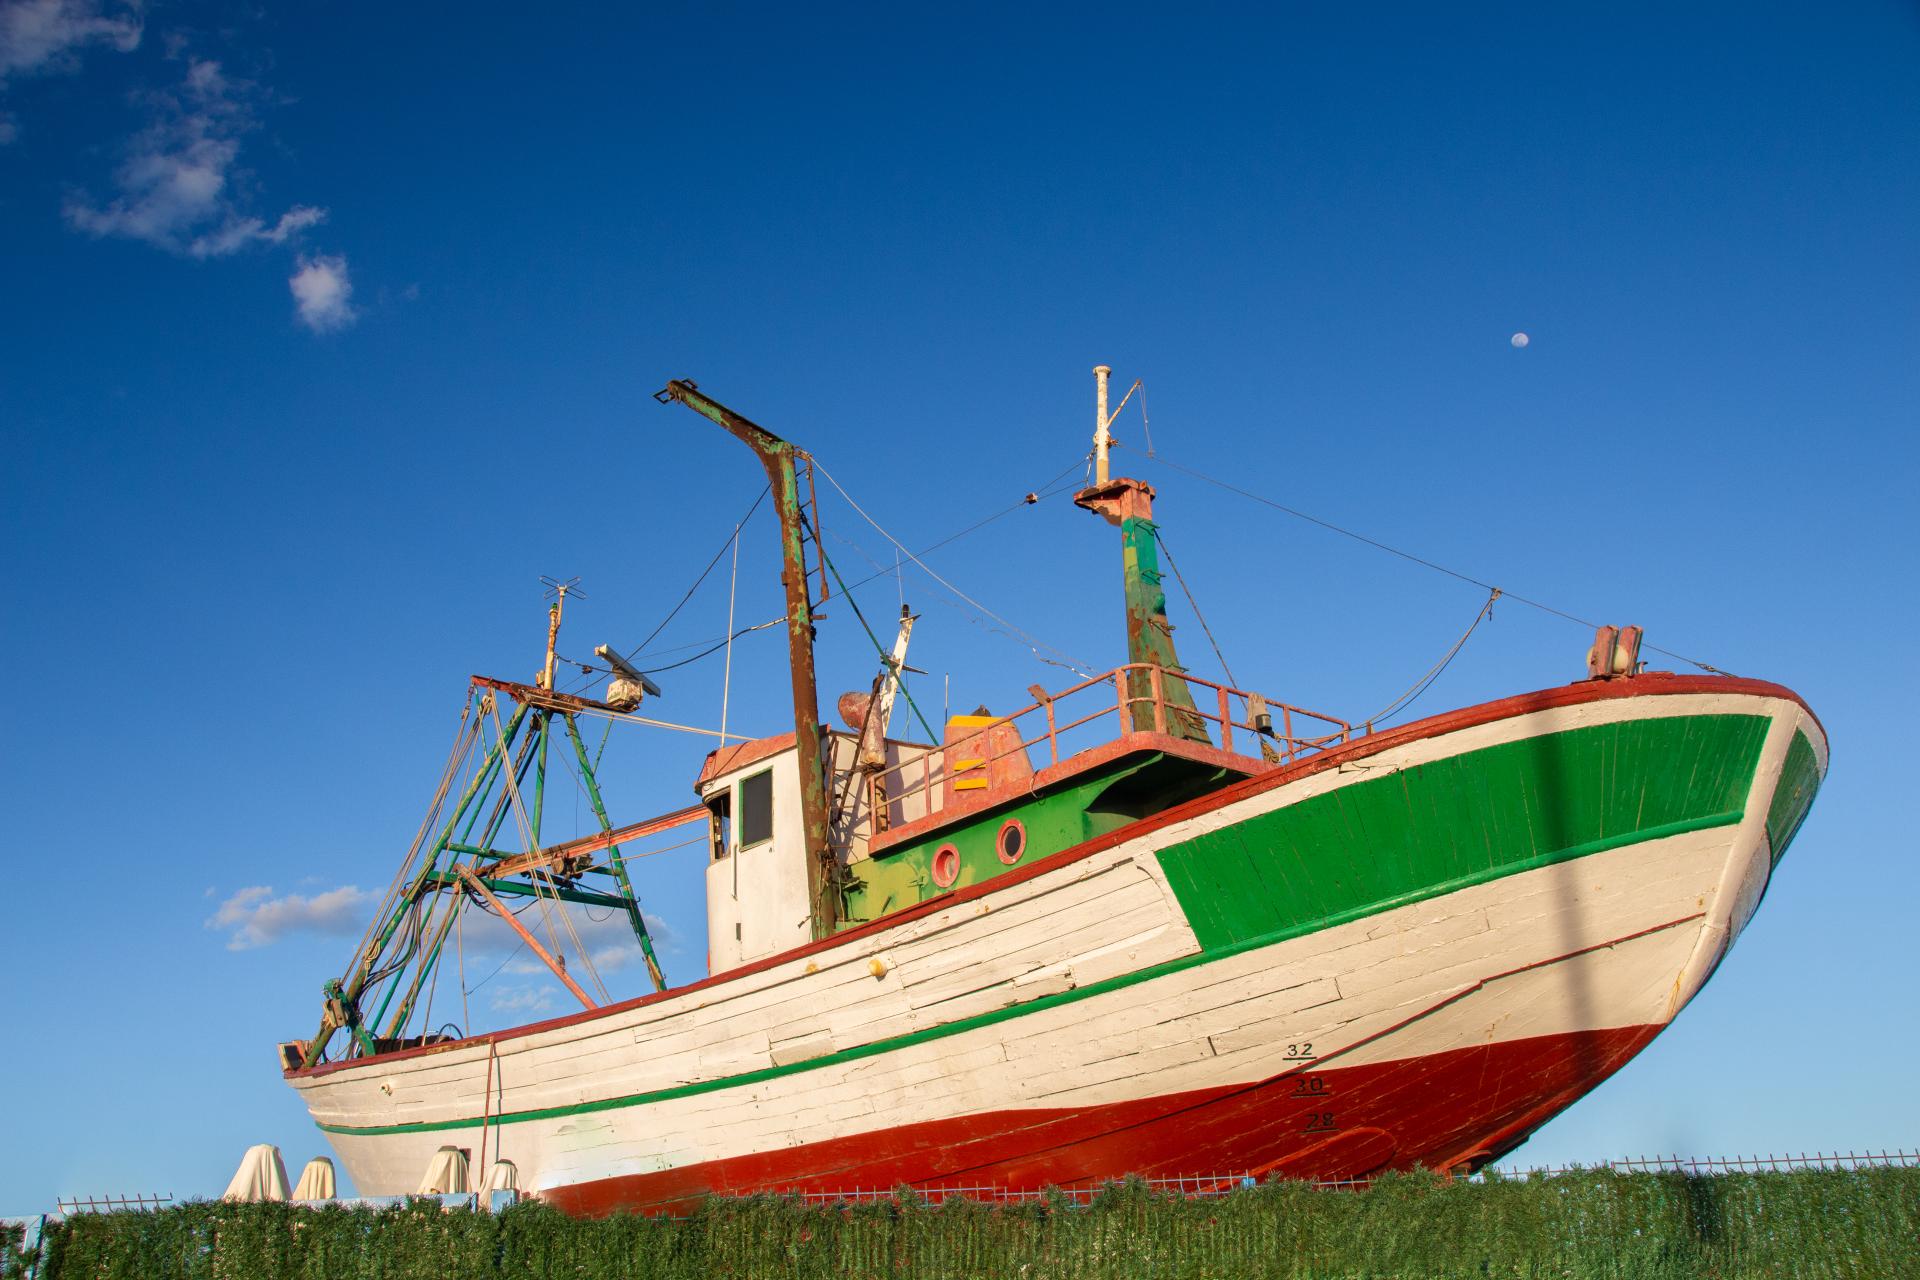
{"type": "Point", "coordinates": [826, 1046]}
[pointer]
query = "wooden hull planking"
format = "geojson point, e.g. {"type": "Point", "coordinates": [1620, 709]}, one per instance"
{"type": "Point", "coordinates": [1414, 950]}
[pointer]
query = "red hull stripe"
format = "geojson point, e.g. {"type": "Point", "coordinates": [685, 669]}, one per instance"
{"type": "Point", "coordinates": [1521, 704]}
{"type": "Point", "coordinates": [1461, 1106]}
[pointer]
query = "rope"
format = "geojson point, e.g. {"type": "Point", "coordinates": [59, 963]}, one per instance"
{"type": "Point", "coordinates": [1419, 560]}
{"type": "Point", "coordinates": [1032, 642]}
{"type": "Point", "coordinates": [1421, 685]}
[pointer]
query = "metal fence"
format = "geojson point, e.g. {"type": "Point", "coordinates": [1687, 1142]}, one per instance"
{"type": "Point", "coordinates": [1192, 1186]}
{"type": "Point", "coordinates": [1220, 1184]}
{"type": "Point", "coordinates": [112, 1204]}
{"type": "Point", "coordinates": [1786, 1162]}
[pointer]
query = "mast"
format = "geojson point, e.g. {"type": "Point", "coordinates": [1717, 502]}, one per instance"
{"type": "Point", "coordinates": [1128, 503]}
{"type": "Point", "coordinates": [776, 456]}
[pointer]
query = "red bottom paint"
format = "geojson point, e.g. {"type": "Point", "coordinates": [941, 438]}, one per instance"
{"type": "Point", "coordinates": [1455, 1109]}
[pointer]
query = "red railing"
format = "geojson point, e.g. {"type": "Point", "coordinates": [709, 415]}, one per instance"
{"type": "Point", "coordinates": [1130, 699]}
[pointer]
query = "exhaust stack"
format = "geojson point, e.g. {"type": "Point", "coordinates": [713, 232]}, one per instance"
{"type": "Point", "coordinates": [1101, 438]}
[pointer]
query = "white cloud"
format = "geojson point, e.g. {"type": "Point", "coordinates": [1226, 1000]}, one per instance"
{"type": "Point", "coordinates": [521, 1000]}
{"type": "Point", "coordinates": [46, 35]}
{"type": "Point", "coordinates": [607, 938]}
{"type": "Point", "coordinates": [9, 128]}
{"type": "Point", "coordinates": [178, 187]}
{"type": "Point", "coordinates": [322, 293]}
{"type": "Point", "coordinates": [256, 917]}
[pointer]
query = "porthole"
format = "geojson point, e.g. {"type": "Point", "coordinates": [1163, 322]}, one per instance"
{"type": "Point", "coordinates": [946, 866]}
{"type": "Point", "coordinates": [1012, 841]}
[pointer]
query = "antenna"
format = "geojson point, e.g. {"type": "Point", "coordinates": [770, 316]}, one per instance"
{"type": "Point", "coordinates": [557, 591]}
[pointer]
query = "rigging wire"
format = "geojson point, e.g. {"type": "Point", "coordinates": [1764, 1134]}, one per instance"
{"type": "Point", "coordinates": [1195, 606]}
{"type": "Point", "coordinates": [1425, 682]}
{"type": "Point", "coordinates": [674, 612]}
{"type": "Point", "coordinates": [967, 615]}
{"type": "Point", "coordinates": [731, 540]}
{"type": "Point", "coordinates": [417, 922]}
{"type": "Point", "coordinates": [879, 648]}
{"type": "Point", "coordinates": [463, 740]}
{"type": "Point", "coordinates": [538, 877]}
{"type": "Point", "coordinates": [598, 756]}
{"type": "Point", "coordinates": [511, 956]}
{"type": "Point", "coordinates": [1045, 491]}
{"type": "Point", "coordinates": [716, 644]}
{"type": "Point", "coordinates": [460, 951]}
{"type": "Point", "coordinates": [627, 855]}
{"type": "Point", "coordinates": [1032, 642]}
{"type": "Point", "coordinates": [726, 679]}
{"type": "Point", "coordinates": [1419, 560]}
{"type": "Point", "coordinates": [721, 644]}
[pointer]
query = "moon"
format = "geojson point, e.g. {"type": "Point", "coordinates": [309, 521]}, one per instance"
{"type": "Point", "coordinates": [1520, 340]}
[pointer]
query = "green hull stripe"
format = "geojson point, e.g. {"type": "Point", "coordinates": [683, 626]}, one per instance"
{"type": "Point", "coordinates": [1476, 815]}
{"type": "Point", "coordinates": [960, 1025]}
{"type": "Point", "coordinates": [1799, 779]}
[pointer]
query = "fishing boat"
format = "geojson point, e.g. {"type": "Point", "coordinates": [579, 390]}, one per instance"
{"type": "Point", "coordinates": [1148, 923]}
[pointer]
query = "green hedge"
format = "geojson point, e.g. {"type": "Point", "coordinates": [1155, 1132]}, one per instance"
{"type": "Point", "coordinates": [1806, 1225]}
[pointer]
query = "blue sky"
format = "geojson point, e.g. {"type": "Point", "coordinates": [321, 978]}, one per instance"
{"type": "Point", "coordinates": [325, 332]}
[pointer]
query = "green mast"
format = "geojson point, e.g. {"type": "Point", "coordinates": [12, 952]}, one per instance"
{"type": "Point", "coordinates": [1129, 504]}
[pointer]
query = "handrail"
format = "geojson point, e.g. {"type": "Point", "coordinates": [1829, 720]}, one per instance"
{"type": "Point", "coordinates": [927, 778]}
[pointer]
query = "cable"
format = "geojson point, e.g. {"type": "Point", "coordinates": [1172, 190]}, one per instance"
{"type": "Point", "coordinates": [673, 612]}
{"type": "Point", "coordinates": [758, 626]}
{"type": "Point", "coordinates": [878, 647]}
{"type": "Point", "coordinates": [731, 539]}
{"type": "Point", "coordinates": [1419, 560]}
{"type": "Point", "coordinates": [1032, 642]}
{"type": "Point", "coordinates": [1195, 606]}
{"type": "Point", "coordinates": [1048, 490]}
{"type": "Point", "coordinates": [1425, 682]}
{"type": "Point", "coordinates": [1045, 491]}
{"type": "Point", "coordinates": [511, 956]}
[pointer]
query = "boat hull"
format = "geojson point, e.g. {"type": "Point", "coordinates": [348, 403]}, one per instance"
{"type": "Point", "coordinates": [1414, 950]}
{"type": "Point", "coordinates": [1441, 1105]}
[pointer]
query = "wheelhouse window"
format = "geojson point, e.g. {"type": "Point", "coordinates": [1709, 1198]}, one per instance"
{"type": "Point", "coordinates": [756, 808]}
{"type": "Point", "coordinates": [720, 824]}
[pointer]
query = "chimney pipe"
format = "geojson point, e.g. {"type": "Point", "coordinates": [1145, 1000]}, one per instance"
{"type": "Point", "coordinates": [1101, 440]}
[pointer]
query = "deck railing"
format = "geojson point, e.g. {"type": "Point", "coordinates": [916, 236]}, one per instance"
{"type": "Point", "coordinates": [1136, 698]}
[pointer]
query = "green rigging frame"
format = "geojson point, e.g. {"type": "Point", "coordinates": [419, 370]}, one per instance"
{"type": "Point", "coordinates": [381, 990]}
